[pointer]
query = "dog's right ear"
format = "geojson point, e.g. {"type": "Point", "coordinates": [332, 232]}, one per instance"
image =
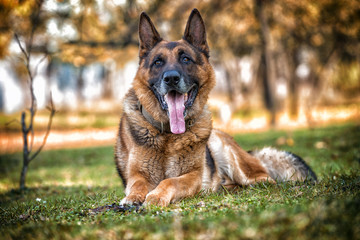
{"type": "Point", "coordinates": [148, 35]}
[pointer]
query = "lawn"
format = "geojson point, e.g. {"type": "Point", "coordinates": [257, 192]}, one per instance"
{"type": "Point", "coordinates": [65, 186]}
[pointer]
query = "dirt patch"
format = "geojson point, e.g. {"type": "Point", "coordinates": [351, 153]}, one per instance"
{"type": "Point", "coordinates": [13, 142]}
{"type": "Point", "coordinates": [114, 207]}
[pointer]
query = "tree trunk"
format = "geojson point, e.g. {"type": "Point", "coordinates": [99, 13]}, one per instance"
{"type": "Point", "coordinates": [267, 93]}
{"type": "Point", "coordinates": [80, 85]}
{"type": "Point", "coordinates": [293, 86]}
{"type": "Point", "coordinates": [293, 97]}
{"type": "Point", "coordinates": [230, 91]}
{"type": "Point", "coordinates": [25, 152]}
{"type": "Point", "coordinates": [107, 83]}
{"type": "Point", "coordinates": [23, 174]}
{"type": "Point", "coordinates": [266, 61]}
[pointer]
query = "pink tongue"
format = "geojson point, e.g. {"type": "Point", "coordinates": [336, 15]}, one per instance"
{"type": "Point", "coordinates": [175, 102]}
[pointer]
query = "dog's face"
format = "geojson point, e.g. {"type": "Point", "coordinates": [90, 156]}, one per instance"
{"type": "Point", "coordinates": [174, 78]}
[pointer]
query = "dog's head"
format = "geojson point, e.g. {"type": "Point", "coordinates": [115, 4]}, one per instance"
{"type": "Point", "coordinates": [174, 78]}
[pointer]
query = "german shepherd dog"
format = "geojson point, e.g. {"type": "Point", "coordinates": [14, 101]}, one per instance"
{"type": "Point", "coordinates": [166, 148]}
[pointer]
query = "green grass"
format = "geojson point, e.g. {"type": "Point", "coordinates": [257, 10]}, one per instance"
{"type": "Point", "coordinates": [65, 184]}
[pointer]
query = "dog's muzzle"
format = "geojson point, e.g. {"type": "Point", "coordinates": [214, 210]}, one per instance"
{"type": "Point", "coordinates": [175, 96]}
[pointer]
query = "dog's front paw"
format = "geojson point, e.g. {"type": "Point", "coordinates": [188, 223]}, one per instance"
{"type": "Point", "coordinates": [156, 199]}
{"type": "Point", "coordinates": [132, 199]}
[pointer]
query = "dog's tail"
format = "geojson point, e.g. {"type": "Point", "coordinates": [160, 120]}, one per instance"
{"type": "Point", "coordinates": [284, 166]}
{"type": "Point", "coordinates": [228, 164]}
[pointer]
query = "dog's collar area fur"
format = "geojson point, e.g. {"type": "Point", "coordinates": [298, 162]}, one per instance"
{"type": "Point", "coordinates": [163, 128]}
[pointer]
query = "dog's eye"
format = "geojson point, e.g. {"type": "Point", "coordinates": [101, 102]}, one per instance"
{"type": "Point", "coordinates": [186, 60]}
{"type": "Point", "coordinates": [158, 62]}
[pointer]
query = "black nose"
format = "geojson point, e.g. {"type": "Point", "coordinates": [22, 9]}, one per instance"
{"type": "Point", "coordinates": [171, 78]}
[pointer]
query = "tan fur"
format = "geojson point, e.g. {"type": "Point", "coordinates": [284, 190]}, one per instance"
{"type": "Point", "coordinates": [234, 165]}
{"type": "Point", "coordinates": [159, 167]}
{"type": "Point", "coordinates": [167, 169]}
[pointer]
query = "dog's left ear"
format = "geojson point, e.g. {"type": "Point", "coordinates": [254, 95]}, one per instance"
{"type": "Point", "coordinates": [195, 32]}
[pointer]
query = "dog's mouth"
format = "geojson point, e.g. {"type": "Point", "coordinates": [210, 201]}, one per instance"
{"type": "Point", "coordinates": [176, 105]}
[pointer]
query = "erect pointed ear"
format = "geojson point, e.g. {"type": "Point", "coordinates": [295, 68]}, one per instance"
{"type": "Point", "coordinates": [195, 32]}
{"type": "Point", "coordinates": [148, 36]}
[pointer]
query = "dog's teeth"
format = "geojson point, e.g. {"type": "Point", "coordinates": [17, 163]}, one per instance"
{"type": "Point", "coordinates": [185, 96]}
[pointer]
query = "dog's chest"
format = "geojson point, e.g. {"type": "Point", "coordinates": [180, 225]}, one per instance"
{"type": "Point", "coordinates": [158, 168]}
{"type": "Point", "coordinates": [177, 165]}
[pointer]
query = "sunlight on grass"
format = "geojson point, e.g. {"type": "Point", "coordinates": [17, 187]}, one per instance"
{"type": "Point", "coordinates": [65, 185]}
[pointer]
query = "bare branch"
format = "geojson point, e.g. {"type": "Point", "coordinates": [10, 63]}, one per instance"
{"type": "Point", "coordinates": [37, 65]}
{"type": "Point", "coordinates": [52, 110]}
{"type": "Point", "coordinates": [32, 134]}
{"type": "Point", "coordinates": [33, 106]}
{"type": "Point", "coordinates": [21, 47]}
{"type": "Point", "coordinates": [25, 133]}
{"type": "Point", "coordinates": [13, 121]}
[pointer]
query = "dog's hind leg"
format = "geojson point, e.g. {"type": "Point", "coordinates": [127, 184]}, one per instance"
{"type": "Point", "coordinates": [235, 165]}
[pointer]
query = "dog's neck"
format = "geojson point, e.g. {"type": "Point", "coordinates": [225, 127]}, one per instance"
{"type": "Point", "coordinates": [162, 127]}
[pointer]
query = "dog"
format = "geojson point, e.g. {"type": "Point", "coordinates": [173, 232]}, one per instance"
{"type": "Point", "coordinates": [166, 148]}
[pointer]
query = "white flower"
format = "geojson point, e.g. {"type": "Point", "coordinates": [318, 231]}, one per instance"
{"type": "Point", "coordinates": [38, 199]}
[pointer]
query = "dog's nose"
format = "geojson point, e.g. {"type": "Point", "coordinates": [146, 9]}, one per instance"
{"type": "Point", "coordinates": [171, 78]}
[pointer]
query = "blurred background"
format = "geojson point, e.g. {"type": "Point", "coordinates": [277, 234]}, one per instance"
{"type": "Point", "coordinates": [279, 64]}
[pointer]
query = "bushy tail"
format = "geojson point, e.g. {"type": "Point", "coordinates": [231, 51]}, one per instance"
{"type": "Point", "coordinates": [284, 166]}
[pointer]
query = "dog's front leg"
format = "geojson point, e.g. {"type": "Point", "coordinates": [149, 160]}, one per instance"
{"type": "Point", "coordinates": [173, 189]}
{"type": "Point", "coordinates": [136, 190]}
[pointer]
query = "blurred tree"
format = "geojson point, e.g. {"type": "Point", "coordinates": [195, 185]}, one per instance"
{"type": "Point", "coordinates": [266, 62]}
{"type": "Point", "coordinates": [6, 7]}
{"type": "Point", "coordinates": [282, 32]}
{"type": "Point", "coordinates": [19, 17]}
{"type": "Point", "coordinates": [328, 29]}
{"type": "Point", "coordinates": [28, 127]}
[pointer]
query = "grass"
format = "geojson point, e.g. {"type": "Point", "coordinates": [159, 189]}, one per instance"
{"type": "Point", "coordinates": [65, 184]}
